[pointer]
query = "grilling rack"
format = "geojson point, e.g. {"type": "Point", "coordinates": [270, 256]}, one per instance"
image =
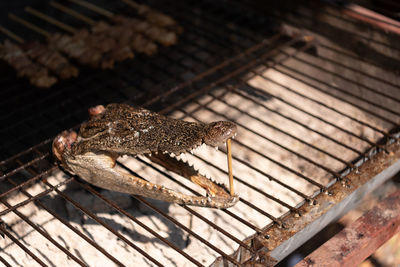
{"type": "Point", "coordinates": [318, 129]}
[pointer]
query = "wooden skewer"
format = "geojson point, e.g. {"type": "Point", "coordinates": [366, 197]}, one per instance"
{"type": "Point", "coordinates": [29, 25]}
{"type": "Point", "coordinates": [94, 8]}
{"type": "Point", "coordinates": [154, 32]}
{"type": "Point", "coordinates": [153, 15]}
{"type": "Point", "coordinates": [63, 69]}
{"type": "Point", "coordinates": [131, 3]}
{"type": "Point", "coordinates": [229, 148]}
{"type": "Point", "coordinates": [11, 35]}
{"type": "Point", "coordinates": [138, 42]}
{"type": "Point", "coordinates": [93, 60]}
{"type": "Point", "coordinates": [36, 73]}
{"type": "Point", "coordinates": [73, 13]}
{"type": "Point", "coordinates": [49, 19]}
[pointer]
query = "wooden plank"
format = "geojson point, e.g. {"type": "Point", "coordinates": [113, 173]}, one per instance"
{"type": "Point", "coordinates": [360, 239]}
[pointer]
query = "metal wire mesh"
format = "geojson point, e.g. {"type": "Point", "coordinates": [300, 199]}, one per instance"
{"type": "Point", "coordinates": [308, 113]}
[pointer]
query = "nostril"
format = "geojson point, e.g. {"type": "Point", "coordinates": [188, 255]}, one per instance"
{"type": "Point", "coordinates": [218, 132]}
{"type": "Point", "coordinates": [63, 141]}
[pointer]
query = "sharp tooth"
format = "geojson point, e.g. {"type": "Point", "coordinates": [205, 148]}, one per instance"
{"type": "Point", "coordinates": [172, 155]}
{"type": "Point", "coordinates": [183, 157]}
{"type": "Point", "coordinates": [156, 152]}
{"type": "Point", "coordinates": [216, 148]}
{"type": "Point", "coordinates": [191, 151]}
{"type": "Point", "coordinates": [149, 154]}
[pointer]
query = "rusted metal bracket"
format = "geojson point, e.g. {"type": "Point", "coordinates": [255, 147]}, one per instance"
{"type": "Point", "coordinates": [360, 239]}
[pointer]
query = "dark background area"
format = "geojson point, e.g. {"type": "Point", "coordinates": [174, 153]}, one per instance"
{"type": "Point", "coordinates": [30, 115]}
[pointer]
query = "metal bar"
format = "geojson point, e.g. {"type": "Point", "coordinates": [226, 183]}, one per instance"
{"type": "Point", "coordinates": [107, 226]}
{"type": "Point", "coordinates": [45, 142]}
{"type": "Point", "coordinates": [348, 164]}
{"type": "Point", "coordinates": [228, 60]}
{"type": "Point", "coordinates": [44, 234]}
{"type": "Point", "coordinates": [360, 239]}
{"type": "Point", "coordinates": [245, 222]}
{"type": "Point", "coordinates": [291, 208]}
{"type": "Point", "coordinates": [336, 74]}
{"type": "Point", "coordinates": [212, 70]}
{"type": "Point", "coordinates": [320, 55]}
{"type": "Point", "coordinates": [197, 236]}
{"type": "Point", "coordinates": [351, 147]}
{"type": "Point", "coordinates": [66, 223]}
{"type": "Point", "coordinates": [23, 247]}
{"type": "Point", "coordinates": [335, 174]}
{"type": "Point", "coordinates": [45, 192]}
{"type": "Point", "coordinates": [338, 97]}
{"type": "Point", "coordinates": [197, 193]}
{"type": "Point", "coordinates": [209, 163]}
{"type": "Point", "coordinates": [224, 78]}
{"type": "Point", "coordinates": [236, 91]}
{"type": "Point", "coordinates": [325, 106]}
{"type": "Point", "coordinates": [123, 212]}
{"type": "Point", "coordinates": [250, 166]}
{"type": "Point", "coordinates": [27, 182]}
{"type": "Point", "coordinates": [322, 187]}
{"type": "Point", "coordinates": [184, 227]}
{"type": "Point", "coordinates": [22, 167]}
{"type": "Point", "coordinates": [232, 237]}
{"type": "Point", "coordinates": [359, 58]}
{"type": "Point", "coordinates": [260, 73]}
{"type": "Point", "coordinates": [5, 262]}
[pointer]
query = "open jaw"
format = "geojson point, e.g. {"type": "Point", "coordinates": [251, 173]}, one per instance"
{"type": "Point", "coordinates": [98, 167]}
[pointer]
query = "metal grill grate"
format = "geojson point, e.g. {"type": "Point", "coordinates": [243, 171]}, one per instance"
{"type": "Point", "coordinates": [311, 115]}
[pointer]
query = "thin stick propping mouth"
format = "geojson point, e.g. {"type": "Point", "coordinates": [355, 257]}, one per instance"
{"type": "Point", "coordinates": [230, 172]}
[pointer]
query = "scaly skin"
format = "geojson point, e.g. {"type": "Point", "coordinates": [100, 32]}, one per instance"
{"type": "Point", "coordinates": [119, 129]}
